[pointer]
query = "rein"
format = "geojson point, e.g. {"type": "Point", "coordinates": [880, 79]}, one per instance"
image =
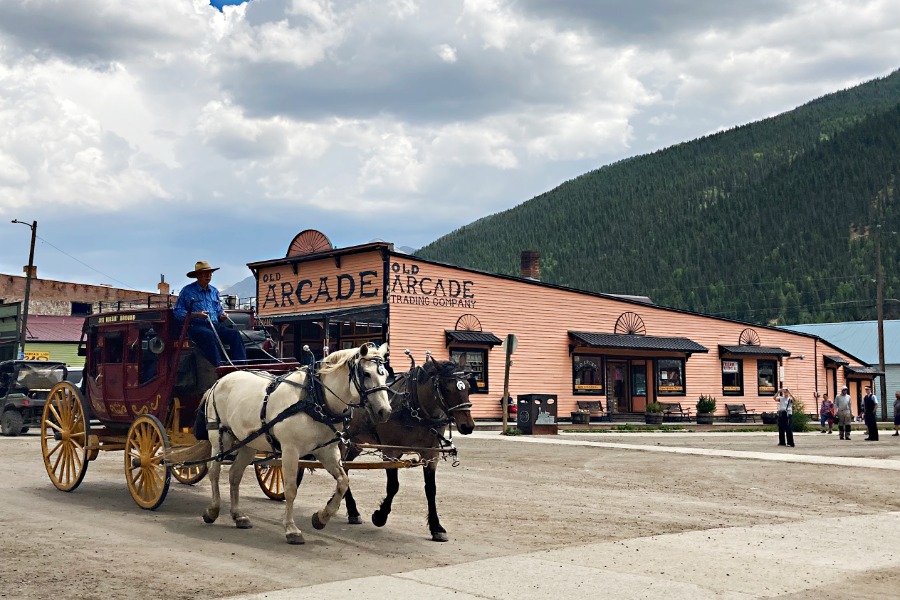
{"type": "Point", "coordinates": [312, 403]}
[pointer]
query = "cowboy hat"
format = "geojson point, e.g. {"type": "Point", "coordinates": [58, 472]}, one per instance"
{"type": "Point", "coordinates": [201, 265]}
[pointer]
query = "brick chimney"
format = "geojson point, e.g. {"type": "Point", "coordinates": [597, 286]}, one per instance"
{"type": "Point", "coordinates": [33, 274]}
{"type": "Point", "coordinates": [162, 286]}
{"type": "Point", "coordinates": [531, 264]}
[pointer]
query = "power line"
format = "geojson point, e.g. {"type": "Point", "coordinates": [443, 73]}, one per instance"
{"type": "Point", "coordinates": [125, 285]}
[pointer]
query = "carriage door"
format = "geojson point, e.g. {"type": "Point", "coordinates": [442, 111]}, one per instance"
{"type": "Point", "coordinates": [617, 385]}
{"type": "Point", "coordinates": [113, 369]}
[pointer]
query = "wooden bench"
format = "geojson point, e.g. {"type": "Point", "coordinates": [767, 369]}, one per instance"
{"type": "Point", "coordinates": [673, 411]}
{"type": "Point", "coordinates": [586, 410]}
{"type": "Point", "coordinates": [738, 413]}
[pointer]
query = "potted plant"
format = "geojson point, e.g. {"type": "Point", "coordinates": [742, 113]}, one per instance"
{"type": "Point", "coordinates": [654, 413]}
{"type": "Point", "coordinates": [706, 406]}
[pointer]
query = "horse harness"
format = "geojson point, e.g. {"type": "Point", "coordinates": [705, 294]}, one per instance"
{"type": "Point", "coordinates": [312, 403]}
{"type": "Point", "coordinates": [412, 412]}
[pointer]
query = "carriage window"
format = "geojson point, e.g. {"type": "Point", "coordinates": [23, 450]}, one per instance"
{"type": "Point", "coordinates": [766, 379]}
{"type": "Point", "coordinates": [733, 377]}
{"type": "Point", "coordinates": [473, 360]}
{"type": "Point", "coordinates": [113, 346]}
{"type": "Point", "coordinates": [670, 377]}
{"type": "Point", "coordinates": [587, 375]}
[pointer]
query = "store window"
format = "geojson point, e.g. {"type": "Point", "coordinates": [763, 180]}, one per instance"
{"type": "Point", "coordinates": [670, 377]}
{"type": "Point", "coordinates": [733, 377]}
{"type": "Point", "coordinates": [587, 375]}
{"type": "Point", "coordinates": [766, 377]}
{"type": "Point", "coordinates": [638, 379]}
{"type": "Point", "coordinates": [475, 361]}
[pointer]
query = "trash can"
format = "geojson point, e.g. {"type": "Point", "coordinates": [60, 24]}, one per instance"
{"type": "Point", "coordinates": [537, 414]}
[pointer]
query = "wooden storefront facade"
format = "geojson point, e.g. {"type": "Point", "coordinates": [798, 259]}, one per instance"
{"type": "Point", "coordinates": [573, 344]}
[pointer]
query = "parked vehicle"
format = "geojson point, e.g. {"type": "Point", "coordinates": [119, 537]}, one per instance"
{"type": "Point", "coordinates": [24, 386]}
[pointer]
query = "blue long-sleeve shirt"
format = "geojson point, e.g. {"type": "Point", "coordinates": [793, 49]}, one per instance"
{"type": "Point", "coordinates": [194, 298]}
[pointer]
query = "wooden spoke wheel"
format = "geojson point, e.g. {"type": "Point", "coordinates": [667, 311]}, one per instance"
{"type": "Point", "coordinates": [190, 475]}
{"type": "Point", "coordinates": [64, 437]}
{"type": "Point", "coordinates": [271, 480]}
{"type": "Point", "coordinates": [146, 472]}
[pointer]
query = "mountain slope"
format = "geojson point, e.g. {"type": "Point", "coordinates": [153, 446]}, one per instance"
{"type": "Point", "coordinates": [768, 222]}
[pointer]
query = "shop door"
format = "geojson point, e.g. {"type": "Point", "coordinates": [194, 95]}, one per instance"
{"type": "Point", "coordinates": [617, 385]}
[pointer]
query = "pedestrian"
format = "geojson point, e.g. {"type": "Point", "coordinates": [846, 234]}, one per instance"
{"type": "Point", "coordinates": [844, 414]}
{"type": "Point", "coordinates": [896, 414]}
{"type": "Point", "coordinates": [785, 417]}
{"type": "Point", "coordinates": [826, 412]}
{"type": "Point", "coordinates": [870, 405]}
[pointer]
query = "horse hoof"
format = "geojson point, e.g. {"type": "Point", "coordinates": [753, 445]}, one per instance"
{"type": "Point", "coordinates": [295, 538]}
{"type": "Point", "coordinates": [243, 523]}
{"type": "Point", "coordinates": [379, 519]}
{"type": "Point", "coordinates": [316, 522]}
{"type": "Point", "coordinates": [438, 536]}
{"type": "Point", "coordinates": [209, 517]}
{"type": "Point", "coordinates": [354, 520]}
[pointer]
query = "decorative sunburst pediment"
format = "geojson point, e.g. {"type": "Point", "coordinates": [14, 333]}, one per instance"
{"type": "Point", "coordinates": [468, 322]}
{"type": "Point", "coordinates": [307, 242]}
{"type": "Point", "coordinates": [748, 337]}
{"type": "Point", "coordinates": [630, 323]}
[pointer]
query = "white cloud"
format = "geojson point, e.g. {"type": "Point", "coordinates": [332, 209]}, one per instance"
{"type": "Point", "coordinates": [355, 114]}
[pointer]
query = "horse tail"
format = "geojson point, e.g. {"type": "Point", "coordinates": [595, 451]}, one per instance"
{"type": "Point", "coordinates": [202, 450]}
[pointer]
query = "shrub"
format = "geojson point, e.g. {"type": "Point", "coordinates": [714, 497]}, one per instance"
{"type": "Point", "coordinates": [800, 420]}
{"type": "Point", "coordinates": [706, 404]}
{"type": "Point", "coordinates": [654, 407]}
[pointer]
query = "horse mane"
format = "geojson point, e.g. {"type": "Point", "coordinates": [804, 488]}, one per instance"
{"type": "Point", "coordinates": [339, 358]}
{"type": "Point", "coordinates": [444, 368]}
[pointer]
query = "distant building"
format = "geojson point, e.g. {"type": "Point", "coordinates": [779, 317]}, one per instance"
{"type": "Point", "coordinates": [69, 302]}
{"type": "Point", "coordinates": [860, 338]}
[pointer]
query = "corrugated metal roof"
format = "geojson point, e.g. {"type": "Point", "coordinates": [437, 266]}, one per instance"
{"type": "Point", "coordinates": [834, 358]}
{"type": "Point", "coordinates": [48, 328]}
{"type": "Point", "coordinates": [859, 338]}
{"type": "Point", "coordinates": [754, 350]}
{"type": "Point", "coordinates": [851, 370]}
{"type": "Point", "coordinates": [472, 337]}
{"type": "Point", "coordinates": [637, 342]}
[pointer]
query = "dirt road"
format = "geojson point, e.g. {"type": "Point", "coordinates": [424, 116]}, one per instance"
{"type": "Point", "coordinates": [504, 499]}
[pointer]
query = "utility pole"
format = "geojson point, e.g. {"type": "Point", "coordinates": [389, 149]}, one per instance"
{"type": "Point", "coordinates": [879, 299]}
{"type": "Point", "coordinates": [28, 272]}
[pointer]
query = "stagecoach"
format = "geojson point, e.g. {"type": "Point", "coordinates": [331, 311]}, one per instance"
{"type": "Point", "coordinates": [143, 381]}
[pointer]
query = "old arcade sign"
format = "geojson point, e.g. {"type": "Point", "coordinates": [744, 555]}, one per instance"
{"type": "Point", "coordinates": [320, 285]}
{"type": "Point", "coordinates": [410, 284]}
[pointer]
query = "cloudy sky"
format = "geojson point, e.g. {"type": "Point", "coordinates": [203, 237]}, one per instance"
{"type": "Point", "coordinates": [143, 136]}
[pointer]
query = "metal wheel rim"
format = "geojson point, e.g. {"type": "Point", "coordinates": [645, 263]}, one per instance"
{"type": "Point", "coordinates": [271, 481]}
{"type": "Point", "coordinates": [146, 472]}
{"type": "Point", "coordinates": [64, 436]}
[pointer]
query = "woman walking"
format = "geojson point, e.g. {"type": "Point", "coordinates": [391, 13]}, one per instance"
{"type": "Point", "coordinates": [826, 412]}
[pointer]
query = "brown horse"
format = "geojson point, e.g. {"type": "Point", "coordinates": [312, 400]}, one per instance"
{"type": "Point", "coordinates": [426, 401]}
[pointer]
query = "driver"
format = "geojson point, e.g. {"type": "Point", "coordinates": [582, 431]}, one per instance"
{"type": "Point", "coordinates": [200, 302]}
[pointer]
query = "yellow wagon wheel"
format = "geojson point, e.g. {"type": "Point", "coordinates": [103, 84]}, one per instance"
{"type": "Point", "coordinates": [64, 437]}
{"type": "Point", "coordinates": [190, 475]}
{"type": "Point", "coordinates": [271, 480]}
{"type": "Point", "coordinates": [146, 472]}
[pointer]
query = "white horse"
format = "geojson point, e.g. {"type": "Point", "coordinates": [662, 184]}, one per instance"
{"type": "Point", "coordinates": [235, 410]}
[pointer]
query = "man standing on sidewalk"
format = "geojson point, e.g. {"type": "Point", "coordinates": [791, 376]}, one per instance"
{"type": "Point", "coordinates": [845, 417]}
{"type": "Point", "coordinates": [870, 405]}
